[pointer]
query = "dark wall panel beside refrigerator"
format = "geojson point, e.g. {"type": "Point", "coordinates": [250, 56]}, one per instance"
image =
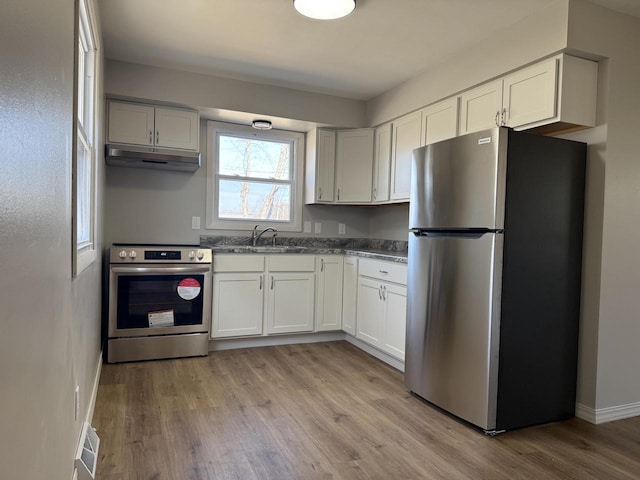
{"type": "Point", "coordinates": [541, 280]}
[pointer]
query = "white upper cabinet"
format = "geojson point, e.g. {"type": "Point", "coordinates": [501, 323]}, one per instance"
{"type": "Point", "coordinates": [406, 138]}
{"type": "Point", "coordinates": [320, 163]}
{"type": "Point", "coordinates": [480, 107]}
{"type": "Point", "coordinates": [176, 128]}
{"type": "Point", "coordinates": [148, 125]}
{"type": "Point", "coordinates": [131, 123]}
{"type": "Point", "coordinates": [381, 163]}
{"type": "Point", "coordinates": [440, 121]}
{"type": "Point", "coordinates": [354, 164]}
{"type": "Point", "coordinates": [552, 95]}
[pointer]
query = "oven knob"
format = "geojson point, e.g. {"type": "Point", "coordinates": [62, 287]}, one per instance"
{"type": "Point", "coordinates": [200, 255]}
{"type": "Point", "coordinates": [133, 254]}
{"type": "Point", "coordinates": [122, 254]}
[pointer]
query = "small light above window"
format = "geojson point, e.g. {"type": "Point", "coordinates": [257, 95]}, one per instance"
{"type": "Point", "coordinates": [324, 9]}
{"type": "Point", "coordinates": [261, 124]}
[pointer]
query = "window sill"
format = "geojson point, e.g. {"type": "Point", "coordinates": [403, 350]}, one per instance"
{"type": "Point", "coordinates": [83, 260]}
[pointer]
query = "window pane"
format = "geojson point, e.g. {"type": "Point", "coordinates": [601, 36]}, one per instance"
{"type": "Point", "coordinates": [254, 201]}
{"type": "Point", "coordinates": [248, 157]}
{"type": "Point", "coordinates": [83, 200]}
{"type": "Point", "coordinates": [81, 82]}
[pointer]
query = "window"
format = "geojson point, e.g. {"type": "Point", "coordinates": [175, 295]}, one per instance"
{"type": "Point", "coordinates": [84, 162]}
{"type": "Point", "coordinates": [254, 177]}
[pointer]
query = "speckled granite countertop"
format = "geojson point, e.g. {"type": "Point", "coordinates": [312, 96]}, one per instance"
{"type": "Point", "coordinates": [390, 250]}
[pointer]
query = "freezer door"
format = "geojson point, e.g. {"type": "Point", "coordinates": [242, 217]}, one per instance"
{"type": "Point", "coordinates": [460, 183]}
{"type": "Point", "coordinates": [453, 323]}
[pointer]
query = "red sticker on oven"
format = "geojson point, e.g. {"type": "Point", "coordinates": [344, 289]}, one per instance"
{"type": "Point", "coordinates": [188, 288]}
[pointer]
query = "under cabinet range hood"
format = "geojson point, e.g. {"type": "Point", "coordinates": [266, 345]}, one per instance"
{"type": "Point", "coordinates": [151, 157]}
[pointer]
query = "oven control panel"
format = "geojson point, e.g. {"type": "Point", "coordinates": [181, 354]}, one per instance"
{"type": "Point", "coordinates": [158, 254]}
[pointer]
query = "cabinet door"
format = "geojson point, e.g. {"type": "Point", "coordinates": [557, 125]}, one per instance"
{"type": "Point", "coordinates": [440, 121]}
{"type": "Point", "coordinates": [329, 293]}
{"type": "Point", "coordinates": [395, 319]}
{"type": "Point", "coordinates": [382, 163]}
{"type": "Point", "coordinates": [406, 138]}
{"type": "Point", "coordinates": [177, 129]}
{"type": "Point", "coordinates": [529, 95]}
{"type": "Point", "coordinates": [354, 165]}
{"type": "Point", "coordinates": [370, 312]}
{"type": "Point", "coordinates": [320, 164]}
{"type": "Point", "coordinates": [130, 123]}
{"type": "Point", "coordinates": [349, 295]}
{"type": "Point", "coordinates": [237, 304]}
{"type": "Point", "coordinates": [290, 302]}
{"type": "Point", "coordinates": [480, 107]}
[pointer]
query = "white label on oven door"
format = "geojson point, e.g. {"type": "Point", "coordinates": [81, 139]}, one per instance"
{"type": "Point", "coordinates": [188, 288]}
{"type": "Point", "coordinates": [162, 318]}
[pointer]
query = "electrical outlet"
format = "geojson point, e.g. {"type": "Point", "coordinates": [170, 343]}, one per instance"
{"type": "Point", "coordinates": [341, 229]}
{"type": "Point", "coordinates": [195, 223]}
{"type": "Point", "coordinates": [76, 402]}
{"type": "Point", "coordinates": [318, 227]}
{"type": "Point", "coordinates": [307, 227]}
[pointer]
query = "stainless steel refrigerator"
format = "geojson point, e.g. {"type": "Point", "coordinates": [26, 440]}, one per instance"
{"type": "Point", "coordinates": [495, 250]}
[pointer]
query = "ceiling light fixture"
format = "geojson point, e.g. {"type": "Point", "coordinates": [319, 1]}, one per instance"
{"type": "Point", "coordinates": [324, 9]}
{"type": "Point", "coordinates": [261, 124]}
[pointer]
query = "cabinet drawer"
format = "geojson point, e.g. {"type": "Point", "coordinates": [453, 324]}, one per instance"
{"type": "Point", "coordinates": [291, 263]}
{"type": "Point", "coordinates": [388, 271]}
{"type": "Point", "coordinates": [238, 263]}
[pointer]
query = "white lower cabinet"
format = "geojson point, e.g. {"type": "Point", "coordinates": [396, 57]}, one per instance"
{"type": "Point", "coordinates": [369, 313]}
{"type": "Point", "coordinates": [329, 292]}
{"type": "Point", "coordinates": [290, 302]}
{"type": "Point", "coordinates": [238, 304]}
{"type": "Point", "coordinates": [262, 294]}
{"type": "Point", "coordinates": [349, 295]}
{"type": "Point", "coordinates": [395, 319]}
{"type": "Point", "coordinates": [382, 305]}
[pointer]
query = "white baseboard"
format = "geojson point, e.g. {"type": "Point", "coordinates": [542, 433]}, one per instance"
{"type": "Point", "coordinates": [94, 391]}
{"type": "Point", "coordinates": [386, 358]}
{"type": "Point", "coordinates": [268, 341]}
{"type": "Point", "coordinates": [608, 414]}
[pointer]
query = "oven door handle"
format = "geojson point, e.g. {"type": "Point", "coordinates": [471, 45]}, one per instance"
{"type": "Point", "coordinates": [173, 269]}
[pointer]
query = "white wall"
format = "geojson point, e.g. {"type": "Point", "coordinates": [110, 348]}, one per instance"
{"type": "Point", "coordinates": [615, 36]}
{"type": "Point", "coordinates": [208, 92]}
{"type": "Point", "coordinates": [524, 42]}
{"type": "Point", "coordinates": [50, 324]}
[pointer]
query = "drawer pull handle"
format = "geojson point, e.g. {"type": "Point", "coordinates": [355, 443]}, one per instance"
{"type": "Point", "coordinates": [260, 282]}
{"type": "Point", "coordinates": [383, 272]}
{"type": "Point", "coordinates": [322, 264]}
{"type": "Point", "coordinates": [271, 282]}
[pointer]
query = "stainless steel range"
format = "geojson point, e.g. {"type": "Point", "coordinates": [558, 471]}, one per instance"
{"type": "Point", "coordinates": [159, 302]}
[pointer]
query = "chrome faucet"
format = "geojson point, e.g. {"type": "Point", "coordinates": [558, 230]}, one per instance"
{"type": "Point", "coordinates": [255, 236]}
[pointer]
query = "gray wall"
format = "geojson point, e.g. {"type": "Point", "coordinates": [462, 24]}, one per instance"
{"type": "Point", "coordinates": [50, 324]}
{"type": "Point", "coordinates": [156, 206]}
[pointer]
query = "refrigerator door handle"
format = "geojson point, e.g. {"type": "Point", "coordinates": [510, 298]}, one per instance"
{"type": "Point", "coordinates": [470, 233]}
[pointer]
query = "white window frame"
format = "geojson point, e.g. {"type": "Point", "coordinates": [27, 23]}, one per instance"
{"type": "Point", "coordinates": [84, 251]}
{"type": "Point", "coordinates": [214, 129]}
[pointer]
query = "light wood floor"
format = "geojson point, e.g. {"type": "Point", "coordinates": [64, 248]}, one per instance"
{"type": "Point", "coordinates": [322, 411]}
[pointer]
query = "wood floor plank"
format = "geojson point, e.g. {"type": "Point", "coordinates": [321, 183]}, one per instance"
{"type": "Point", "coordinates": [322, 411]}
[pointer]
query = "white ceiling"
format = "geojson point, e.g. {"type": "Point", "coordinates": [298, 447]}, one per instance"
{"type": "Point", "coordinates": [380, 45]}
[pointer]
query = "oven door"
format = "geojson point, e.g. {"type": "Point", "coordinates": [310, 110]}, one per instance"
{"type": "Point", "coordinates": [150, 300]}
